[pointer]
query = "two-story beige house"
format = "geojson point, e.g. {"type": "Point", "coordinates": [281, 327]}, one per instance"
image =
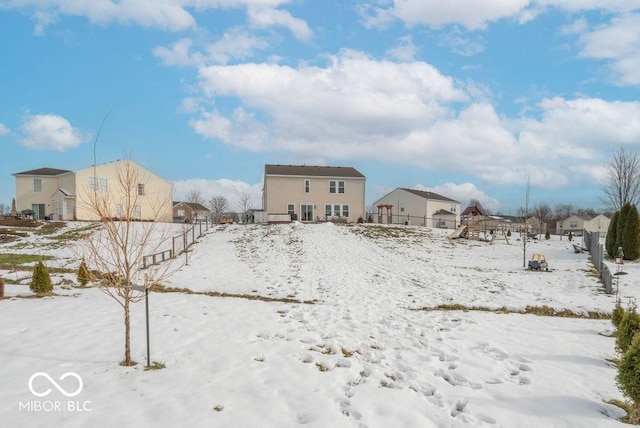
{"type": "Point", "coordinates": [65, 195]}
{"type": "Point", "coordinates": [418, 207]}
{"type": "Point", "coordinates": [313, 193]}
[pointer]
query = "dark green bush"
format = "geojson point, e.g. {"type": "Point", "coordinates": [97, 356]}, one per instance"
{"type": "Point", "coordinates": [629, 325]}
{"type": "Point", "coordinates": [84, 276]}
{"type": "Point", "coordinates": [41, 281]}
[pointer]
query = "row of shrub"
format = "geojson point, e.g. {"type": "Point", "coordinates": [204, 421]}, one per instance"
{"type": "Point", "coordinates": [624, 233]}
{"type": "Point", "coordinates": [627, 324]}
{"type": "Point", "coordinates": [41, 280]}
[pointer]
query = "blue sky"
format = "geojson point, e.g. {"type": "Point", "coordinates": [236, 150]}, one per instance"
{"type": "Point", "coordinates": [465, 98]}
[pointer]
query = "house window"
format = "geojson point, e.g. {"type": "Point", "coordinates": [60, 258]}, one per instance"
{"type": "Point", "coordinates": [307, 186]}
{"type": "Point", "coordinates": [291, 209]}
{"type": "Point", "coordinates": [453, 208]}
{"type": "Point", "coordinates": [69, 208]}
{"type": "Point", "coordinates": [57, 209]}
{"type": "Point", "coordinates": [98, 184]}
{"type": "Point", "coordinates": [137, 212]}
{"type": "Point", "coordinates": [141, 189]}
{"type": "Point", "coordinates": [327, 211]}
{"type": "Point", "coordinates": [119, 211]}
{"type": "Point", "coordinates": [336, 210]}
{"type": "Point", "coordinates": [37, 185]}
{"type": "Point", "coordinates": [573, 225]}
{"type": "Point", "coordinates": [401, 207]}
{"type": "Point", "coordinates": [336, 186]}
{"type": "Point", "coordinates": [345, 211]}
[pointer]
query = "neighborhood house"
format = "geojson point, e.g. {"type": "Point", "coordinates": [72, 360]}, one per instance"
{"type": "Point", "coordinates": [417, 207]}
{"type": "Point", "coordinates": [59, 194]}
{"type": "Point", "coordinates": [313, 193]}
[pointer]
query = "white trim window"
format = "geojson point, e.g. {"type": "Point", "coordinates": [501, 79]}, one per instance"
{"type": "Point", "coordinates": [345, 211]}
{"type": "Point", "coordinates": [307, 186]}
{"type": "Point", "coordinates": [98, 184]}
{"type": "Point", "coordinates": [141, 189]}
{"type": "Point", "coordinates": [291, 209]}
{"type": "Point", "coordinates": [137, 211]}
{"type": "Point", "coordinates": [328, 212]}
{"type": "Point", "coordinates": [37, 185]}
{"type": "Point", "coordinates": [119, 211]}
{"type": "Point", "coordinates": [336, 186]}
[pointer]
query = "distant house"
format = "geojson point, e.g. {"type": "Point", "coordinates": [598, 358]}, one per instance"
{"type": "Point", "coordinates": [418, 207]}
{"type": "Point", "coordinates": [574, 224]}
{"type": "Point", "coordinates": [313, 193]}
{"type": "Point", "coordinates": [64, 195]}
{"type": "Point", "coordinates": [599, 223]}
{"type": "Point", "coordinates": [190, 212]}
{"type": "Point", "coordinates": [470, 212]}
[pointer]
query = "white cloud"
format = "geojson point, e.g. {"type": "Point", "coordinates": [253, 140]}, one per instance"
{"type": "Point", "coordinates": [463, 193]}
{"type": "Point", "coordinates": [471, 14]}
{"type": "Point", "coordinates": [355, 107]}
{"type": "Point", "coordinates": [476, 15]}
{"type": "Point", "coordinates": [179, 53]}
{"type": "Point", "coordinates": [236, 43]}
{"type": "Point", "coordinates": [619, 43]}
{"type": "Point", "coordinates": [171, 15]}
{"type": "Point", "coordinates": [3, 130]}
{"type": "Point", "coordinates": [271, 17]}
{"type": "Point", "coordinates": [50, 132]}
{"type": "Point", "coordinates": [405, 50]}
{"type": "Point", "coordinates": [230, 189]}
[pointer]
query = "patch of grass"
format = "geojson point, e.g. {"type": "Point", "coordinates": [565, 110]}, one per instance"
{"type": "Point", "coordinates": [76, 234]}
{"type": "Point", "coordinates": [543, 311]}
{"type": "Point", "coordinates": [322, 367]}
{"type": "Point", "coordinates": [49, 228]}
{"type": "Point", "coordinates": [347, 353]}
{"type": "Point", "coordinates": [8, 261]}
{"type": "Point", "coordinates": [627, 407]}
{"type": "Point", "coordinates": [157, 365]}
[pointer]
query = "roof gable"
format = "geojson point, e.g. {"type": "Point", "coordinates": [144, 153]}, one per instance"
{"type": "Point", "coordinates": [429, 195]}
{"type": "Point", "coordinates": [43, 171]}
{"type": "Point", "coordinates": [193, 205]}
{"type": "Point", "coordinates": [312, 171]}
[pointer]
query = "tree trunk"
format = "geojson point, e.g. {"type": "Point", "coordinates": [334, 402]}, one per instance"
{"type": "Point", "coordinates": [127, 335]}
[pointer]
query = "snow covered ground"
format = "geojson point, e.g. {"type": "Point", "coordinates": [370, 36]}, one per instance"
{"type": "Point", "coordinates": [322, 325]}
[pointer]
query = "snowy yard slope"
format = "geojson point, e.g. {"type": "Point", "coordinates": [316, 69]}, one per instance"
{"type": "Point", "coordinates": [363, 354]}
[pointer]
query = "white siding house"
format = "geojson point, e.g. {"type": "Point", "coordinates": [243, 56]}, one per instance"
{"type": "Point", "coordinates": [418, 207]}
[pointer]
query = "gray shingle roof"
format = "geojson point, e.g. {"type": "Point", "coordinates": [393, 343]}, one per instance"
{"type": "Point", "coordinates": [428, 195]}
{"type": "Point", "coordinates": [43, 171]}
{"type": "Point", "coordinates": [313, 171]}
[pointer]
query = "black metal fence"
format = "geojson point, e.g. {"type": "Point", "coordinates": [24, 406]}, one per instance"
{"type": "Point", "coordinates": [179, 244]}
{"type": "Point", "coordinates": [596, 249]}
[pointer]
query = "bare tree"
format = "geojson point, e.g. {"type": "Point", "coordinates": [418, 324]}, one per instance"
{"type": "Point", "coordinates": [622, 179]}
{"type": "Point", "coordinates": [116, 250]}
{"type": "Point", "coordinates": [4, 209]}
{"type": "Point", "coordinates": [195, 197]}
{"type": "Point", "coordinates": [543, 213]}
{"type": "Point", "coordinates": [563, 211]}
{"type": "Point", "coordinates": [245, 197]}
{"type": "Point", "coordinates": [218, 205]}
